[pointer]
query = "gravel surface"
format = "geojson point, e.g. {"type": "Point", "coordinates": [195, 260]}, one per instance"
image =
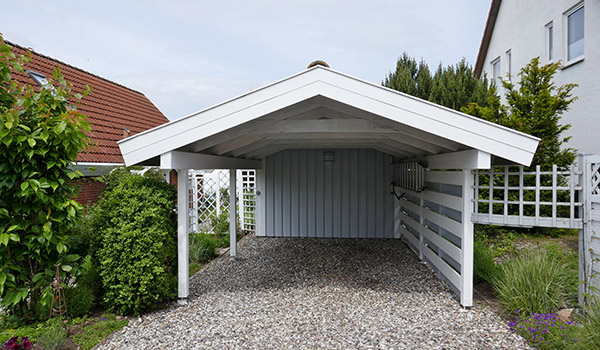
{"type": "Point", "coordinates": [302, 293]}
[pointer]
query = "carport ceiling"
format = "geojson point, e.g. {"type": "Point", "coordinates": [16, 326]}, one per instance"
{"type": "Point", "coordinates": [320, 122]}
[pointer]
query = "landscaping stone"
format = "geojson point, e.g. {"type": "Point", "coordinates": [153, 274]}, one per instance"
{"type": "Point", "coordinates": [564, 315]}
{"type": "Point", "coordinates": [303, 293]}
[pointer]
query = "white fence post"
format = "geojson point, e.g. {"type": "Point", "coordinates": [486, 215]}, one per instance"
{"type": "Point", "coordinates": [183, 218]}
{"type": "Point", "coordinates": [232, 213]}
{"type": "Point", "coordinates": [466, 265]}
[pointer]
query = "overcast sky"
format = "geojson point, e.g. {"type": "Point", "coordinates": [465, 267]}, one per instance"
{"type": "Point", "coordinates": [188, 55]}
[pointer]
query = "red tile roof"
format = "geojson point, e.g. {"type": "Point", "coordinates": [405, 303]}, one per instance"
{"type": "Point", "coordinates": [110, 108]}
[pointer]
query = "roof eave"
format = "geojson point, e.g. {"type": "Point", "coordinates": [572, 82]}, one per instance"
{"type": "Point", "coordinates": [487, 36]}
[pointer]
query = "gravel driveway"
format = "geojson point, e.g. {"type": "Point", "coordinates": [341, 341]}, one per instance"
{"type": "Point", "coordinates": [302, 293]}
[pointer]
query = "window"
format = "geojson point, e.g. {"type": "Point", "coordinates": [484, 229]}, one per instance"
{"type": "Point", "coordinates": [39, 78]}
{"type": "Point", "coordinates": [550, 38]}
{"type": "Point", "coordinates": [496, 72]}
{"type": "Point", "coordinates": [575, 32]}
{"type": "Point", "coordinates": [509, 63]}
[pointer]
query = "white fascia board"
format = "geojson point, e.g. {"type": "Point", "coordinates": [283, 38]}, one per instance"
{"type": "Point", "coordinates": [186, 160]}
{"type": "Point", "coordinates": [468, 130]}
{"type": "Point", "coordinates": [470, 159]}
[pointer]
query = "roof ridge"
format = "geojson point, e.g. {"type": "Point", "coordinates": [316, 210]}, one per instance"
{"type": "Point", "coordinates": [71, 66]}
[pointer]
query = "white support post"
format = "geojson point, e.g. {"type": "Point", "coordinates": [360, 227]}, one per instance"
{"type": "Point", "coordinates": [182, 235]}
{"type": "Point", "coordinates": [232, 213]}
{"type": "Point", "coordinates": [466, 264]}
{"type": "Point", "coordinates": [261, 205]}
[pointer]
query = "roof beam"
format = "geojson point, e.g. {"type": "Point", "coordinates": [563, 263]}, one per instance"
{"type": "Point", "coordinates": [187, 160]}
{"type": "Point", "coordinates": [320, 126]}
{"type": "Point", "coordinates": [471, 159]}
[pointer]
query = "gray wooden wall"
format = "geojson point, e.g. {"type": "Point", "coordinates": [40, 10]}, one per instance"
{"type": "Point", "coordinates": [349, 197]}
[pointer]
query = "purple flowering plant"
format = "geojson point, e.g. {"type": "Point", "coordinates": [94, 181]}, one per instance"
{"type": "Point", "coordinates": [14, 343]}
{"type": "Point", "coordinates": [544, 331]}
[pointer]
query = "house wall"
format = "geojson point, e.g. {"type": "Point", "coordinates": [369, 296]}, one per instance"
{"type": "Point", "coordinates": [90, 190]}
{"type": "Point", "coordinates": [521, 28]}
{"type": "Point", "coordinates": [349, 197]}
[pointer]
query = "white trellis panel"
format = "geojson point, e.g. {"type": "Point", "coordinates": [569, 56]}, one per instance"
{"type": "Point", "coordinates": [510, 196]}
{"type": "Point", "coordinates": [589, 236]}
{"type": "Point", "coordinates": [209, 197]}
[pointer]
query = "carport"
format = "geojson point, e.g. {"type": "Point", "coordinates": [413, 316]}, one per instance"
{"type": "Point", "coordinates": [340, 157]}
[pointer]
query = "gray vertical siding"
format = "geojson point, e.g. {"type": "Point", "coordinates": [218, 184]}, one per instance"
{"type": "Point", "coordinates": [350, 197]}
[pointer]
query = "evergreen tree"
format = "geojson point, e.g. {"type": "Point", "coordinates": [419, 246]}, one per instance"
{"type": "Point", "coordinates": [534, 106]}
{"type": "Point", "coordinates": [453, 86]}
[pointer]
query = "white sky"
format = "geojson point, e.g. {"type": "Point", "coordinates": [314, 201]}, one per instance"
{"type": "Point", "coordinates": [188, 55]}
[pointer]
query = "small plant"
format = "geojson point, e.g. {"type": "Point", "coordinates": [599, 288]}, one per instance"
{"type": "Point", "coordinates": [532, 283]}
{"type": "Point", "coordinates": [220, 223]}
{"type": "Point", "coordinates": [79, 300]}
{"type": "Point", "coordinates": [203, 247]}
{"type": "Point", "coordinates": [484, 266]}
{"type": "Point", "coordinates": [55, 335]}
{"type": "Point", "coordinates": [15, 344]}
{"type": "Point", "coordinates": [545, 331]}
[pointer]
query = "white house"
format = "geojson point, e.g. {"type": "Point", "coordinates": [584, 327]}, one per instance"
{"type": "Point", "coordinates": [556, 30]}
{"type": "Point", "coordinates": [340, 157]}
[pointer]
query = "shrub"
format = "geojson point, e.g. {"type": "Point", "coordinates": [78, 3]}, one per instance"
{"type": "Point", "coordinates": [79, 299]}
{"type": "Point", "coordinates": [203, 247]}
{"type": "Point", "coordinates": [220, 223]}
{"type": "Point", "coordinates": [89, 277]}
{"type": "Point", "coordinates": [55, 335]}
{"type": "Point", "coordinates": [137, 255]}
{"type": "Point", "coordinates": [545, 331]}
{"type": "Point", "coordinates": [484, 266]}
{"type": "Point", "coordinates": [532, 283]}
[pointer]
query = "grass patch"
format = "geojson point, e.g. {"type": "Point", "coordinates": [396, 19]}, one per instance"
{"type": "Point", "coordinates": [195, 267]}
{"type": "Point", "coordinates": [94, 333]}
{"type": "Point", "coordinates": [589, 332]}
{"type": "Point", "coordinates": [484, 266]}
{"type": "Point", "coordinates": [535, 282]}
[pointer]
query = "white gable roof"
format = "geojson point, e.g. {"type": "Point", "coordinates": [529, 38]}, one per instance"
{"type": "Point", "coordinates": [418, 123]}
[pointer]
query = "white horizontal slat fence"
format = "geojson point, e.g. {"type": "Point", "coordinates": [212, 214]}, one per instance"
{"type": "Point", "coordinates": [436, 223]}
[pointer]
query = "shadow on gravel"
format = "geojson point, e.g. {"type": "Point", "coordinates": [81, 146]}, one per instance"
{"type": "Point", "coordinates": [266, 263]}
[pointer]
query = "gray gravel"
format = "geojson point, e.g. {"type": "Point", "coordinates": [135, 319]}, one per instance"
{"type": "Point", "coordinates": [290, 293]}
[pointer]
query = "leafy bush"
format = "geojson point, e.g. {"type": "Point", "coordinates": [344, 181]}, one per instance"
{"type": "Point", "coordinates": [203, 247]}
{"type": "Point", "coordinates": [137, 254]}
{"type": "Point", "coordinates": [532, 283]}
{"type": "Point", "coordinates": [41, 134]}
{"type": "Point", "coordinates": [484, 266]}
{"type": "Point", "coordinates": [89, 277]}
{"type": "Point", "coordinates": [79, 299]}
{"type": "Point", "coordinates": [55, 335]}
{"type": "Point", "coordinates": [545, 331]}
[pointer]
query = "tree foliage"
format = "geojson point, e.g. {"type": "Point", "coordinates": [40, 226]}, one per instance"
{"type": "Point", "coordinates": [136, 225]}
{"type": "Point", "coordinates": [534, 106]}
{"type": "Point", "coordinates": [452, 86]}
{"type": "Point", "coordinates": [40, 135]}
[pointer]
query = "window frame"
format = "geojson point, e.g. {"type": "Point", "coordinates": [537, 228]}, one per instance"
{"type": "Point", "coordinates": [508, 64]}
{"type": "Point", "coordinates": [494, 78]}
{"type": "Point", "coordinates": [566, 16]}
{"type": "Point", "coordinates": [550, 39]}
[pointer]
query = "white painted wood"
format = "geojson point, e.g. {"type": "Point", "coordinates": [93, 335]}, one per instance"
{"type": "Point", "coordinates": [187, 160]}
{"type": "Point", "coordinates": [320, 126]}
{"type": "Point", "coordinates": [182, 234]}
{"type": "Point", "coordinates": [446, 200]}
{"type": "Point", "coordinates": [466, 261]}
{"type": "Point", "coordinates": [444, 177]}
{"type": "Point", "coordinates": [403, 109]}
{"type": "Point", "coordinates": [471, 159]}
{"type": "Point", "coordinates": [526, 221]}
{"type": "Point", "coordinates": [445, 269]}
{"type": "Point", "coordinates": [232, 213]}
{"type": "Point", "coordinates": [261, 195]}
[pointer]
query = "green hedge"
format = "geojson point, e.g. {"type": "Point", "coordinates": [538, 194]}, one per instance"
{"type": "Point", "coordinates": [137, 253]}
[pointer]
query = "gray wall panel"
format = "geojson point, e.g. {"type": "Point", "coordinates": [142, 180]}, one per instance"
{"type": "Point", "coordinates": [349, 197]}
